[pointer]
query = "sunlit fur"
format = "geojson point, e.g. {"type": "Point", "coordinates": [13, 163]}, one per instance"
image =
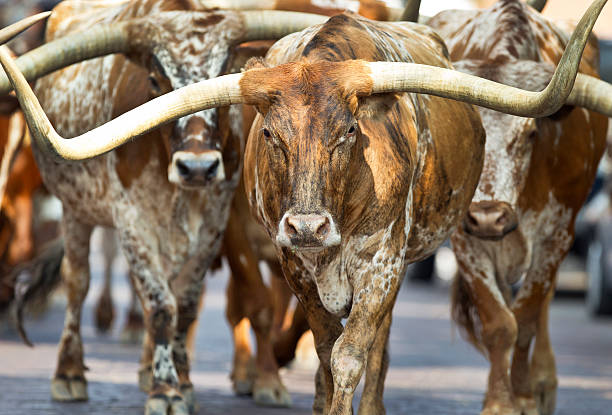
{"type": "Point", "coordinates": [395, 190]}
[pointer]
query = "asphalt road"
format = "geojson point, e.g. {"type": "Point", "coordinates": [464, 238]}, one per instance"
{"type": "Point", "coordinates": [433, 371]}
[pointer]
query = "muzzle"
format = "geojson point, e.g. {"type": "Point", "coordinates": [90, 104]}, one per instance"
{"type": "Point", "coordinates": [313, 231]}
{"type": "Point", "coordinates": [193, 170]}
{"type": "Point", "coordinates": [491, 220]}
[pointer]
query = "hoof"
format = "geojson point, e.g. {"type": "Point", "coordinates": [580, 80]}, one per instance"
{"type": "Point", "coordinates": [271, 393]}
{"type": "Point", "coordinates": [528, 406]}
{"type": "Point", "coordinates": [157, 406]}
{"type": "Point", "coordinates": [145, 379]}
{"type": "Point", "coordinates": [189, 397]}
{"type": "Point", "coordinates": [65, 389]}
{"type": "Point", "coordinates": [179, 406]}
{"type": "Point", "coordinates": [243, 378]}
{"type": "Point", "coordinates": [243, 387]}
{"type": "Point", "coordinates": [162, 404]}
{"type": "Point", "coordinates": [499, 409]}
{"type": "Point", "coordinates": [546, 396]}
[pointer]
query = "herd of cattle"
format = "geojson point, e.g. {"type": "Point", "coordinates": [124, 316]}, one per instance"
{"type": "Point", "coordinates": [341, 153]}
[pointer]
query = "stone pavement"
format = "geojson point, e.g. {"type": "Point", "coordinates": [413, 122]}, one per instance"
{"type": "Point", "coordinates": [433, 371]}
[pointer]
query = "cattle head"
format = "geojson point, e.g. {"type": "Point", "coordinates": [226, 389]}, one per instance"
{"type": "Point", "coordinates": [509, 146]}
{"type": "Point", "coordinates": [309, 136]}
{"type": "Point", "coordinates": [178, 49]}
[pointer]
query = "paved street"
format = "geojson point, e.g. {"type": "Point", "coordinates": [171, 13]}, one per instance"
{"type": "Point", "coordinates": [432, 370]}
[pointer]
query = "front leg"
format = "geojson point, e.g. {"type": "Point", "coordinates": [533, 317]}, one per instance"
{"type": "Point", "coordinates": [326, 328]}
{"type": "Point", "coordinates": [376, 371]}
{"type": "Point", "coordinates": [374, 295]}
{"type": "Point", "coordinates": [160, 309]}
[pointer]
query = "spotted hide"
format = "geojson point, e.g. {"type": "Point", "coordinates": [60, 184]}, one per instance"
{"type": "Point", "coordinates": [167, 193]}
{"type": "Point", "coordinates": [536, 176]}
{"type": "Point", "coordinates": [352, 188]}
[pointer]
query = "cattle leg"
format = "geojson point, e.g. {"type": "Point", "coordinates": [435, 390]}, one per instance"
{"type": "Point", "coordinates": [249, 297]}
{"type": "Point", "coordinates": [351, 350]}
{"type": "Point", "coordinates": [543, 368]}
{"type": "Point", "coordinates": [376, 371]}
{"type": "Point", "coordinates": [133, 330]}
{"type": "Point", "coordinates": [531, 311]}
{"type": "Point", "coordinates": [160, 307]}
{"type": "Point", "coordinates": [499, 332]}
{"type": "Point", "coordinates": [105, 312]}
{"type": "Point", "coordinates": [326, 328]}
{"type": "Point", "coordinates": [188, 309]}
{"type": "Point", "coordinates": [68, 383]}
{"type": "Point", "coordinates": [287, 340]}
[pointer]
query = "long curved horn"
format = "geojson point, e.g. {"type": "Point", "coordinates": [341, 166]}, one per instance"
{"type": "Point", "coordinates": [406, 77]}
{"type": "Point", "coordinates": [211, 93]}
{"type": "Point", "coordinates": [411, 11]}
{"type": "Point", "coordinates": [537, 4]}
{"type": "Point", "coordinates": [591, 93]}
{"type": "Point", "coordinates": [71, 49]}
{"type": "Point", "coordinates": [239, 4]}
{"type": "Point", "coordinates": [274, 24]}
{"type": "Point", "coordinates": [13, 30]}
{"type": "Point", "coordinates": [115, 38]}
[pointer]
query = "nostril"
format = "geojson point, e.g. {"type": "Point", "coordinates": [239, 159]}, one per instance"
{"type": "Point", "coordinates": [472, 220]}
{"type": "Point", "coordinates": [502, 219]}
{"type": "Point", "coordinates": [183, 169]}
{"type": "Point", "coordinates": [211, 171]}
{"type": "Point", "coordinates": [323, 229]}
{"type": "Point", "coordinates": [290, 228]}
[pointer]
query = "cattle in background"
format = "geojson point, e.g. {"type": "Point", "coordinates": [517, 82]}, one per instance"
{"type": "Point", "coordinates": [395, 161]}
{"type": "Point", "coordinates": [20, 181]}
{"type": "Point", "coordinates": [520, 225]}
{"type": "Point", "coordinates": [168, 194]}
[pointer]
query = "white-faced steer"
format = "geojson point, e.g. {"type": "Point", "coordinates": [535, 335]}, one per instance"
{"type": "Point", "coordinates": [168, 194]}
{"type": "Point", "coordinates": [536, 176]}
{"type": "Point", "coordinates": [352, 177]}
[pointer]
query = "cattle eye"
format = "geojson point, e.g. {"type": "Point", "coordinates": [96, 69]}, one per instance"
{"type": "Point", "coordinates": [154, 84]}
{"type": "Point", "coordinates": [266, 133]}
{"type": "Point", "coordinates": [351, 131]}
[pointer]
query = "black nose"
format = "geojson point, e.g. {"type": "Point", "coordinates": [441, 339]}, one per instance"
{"type": "Point", "coordinates": [197, 170]}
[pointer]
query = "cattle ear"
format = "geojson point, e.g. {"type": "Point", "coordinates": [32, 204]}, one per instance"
{"type": "Point", "coordinates": [374, 106]}
{"type": "Point", "coordinates": [257, 83]}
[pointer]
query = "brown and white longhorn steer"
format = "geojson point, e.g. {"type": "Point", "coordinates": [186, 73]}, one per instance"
{"type": "Point", "coordinates": [167, 194]}
{"type": "Point", "coordinates": [246, 242]}
{"type": "Point", "coordinates": [352, 188]}
{"type": "Point", "coordinates": [520, 225]}
{"type": "Point", "coordinates": [352, 177]}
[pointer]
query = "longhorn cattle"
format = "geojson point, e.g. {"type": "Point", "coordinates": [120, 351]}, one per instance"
{"type": "Point", "coordinates": [537, 174]}
{"type": "Point", "coordinates": [352, 177]}
{"type": "Point", "coordinates": [168, 194]}
{"type": "Point", "coordinates": [244, 254]}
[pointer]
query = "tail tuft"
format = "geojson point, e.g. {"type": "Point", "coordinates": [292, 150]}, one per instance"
{"type": "Point", "coordinates": [35, 281]}
{"type": "Point", "coordinates": [465, 313]}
